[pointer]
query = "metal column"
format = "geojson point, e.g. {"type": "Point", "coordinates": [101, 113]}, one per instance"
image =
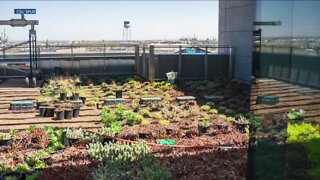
{"type": "Point", "coordinates": [30, 55]}
{"type": "Point", "coordinates": [180, 63]}
{"type": "Point", "coordinates": [230, 62]}
{"type": "Point", "coordinates": [137, 59]}
{"type": "Point", "coordinates": [206, 64]}
{"type": "Point", "coordinates": [151, 63]}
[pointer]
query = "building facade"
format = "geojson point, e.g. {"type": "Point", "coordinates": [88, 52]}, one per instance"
{"type": "Point", "coordinates": [278, 43]}
{"type": "Point", "coordinates": [273, 39]}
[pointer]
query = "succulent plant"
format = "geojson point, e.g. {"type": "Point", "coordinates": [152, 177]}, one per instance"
{"type": "Point", "coordinates": [152, 169]}
{"type": "Point", "coordinates": [222, 116]}
{"type": "Point", "coordinates": [74, 133]}
{"type": "Point", "coordinates": [295, 114]}
{"type": "Point", "coordinates": [109, 170]}
{"type": "Point", "coordinates": [242, 120]}
{"type": "Point", "coordinates": [117, 152]}
{"type": "Point", "coordinates": [231, 119]}
{"type": "Point", "coordinates": [145, 112]}
{"type": "Point", "coordinates": [205, 108]}
{"type": "Point", "coordinates": [5, 136]}
{"type": "Point", "coordinates": [164, 122]}
{"type": "Point", "coordinates": [213, 111]}
{"type": "Point", "coordinates": [205, 122]}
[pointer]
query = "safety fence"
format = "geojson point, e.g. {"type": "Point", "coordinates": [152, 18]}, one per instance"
{"type": "Point", "coordinates": [151, 62]}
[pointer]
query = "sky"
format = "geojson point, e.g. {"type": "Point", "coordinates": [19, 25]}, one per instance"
{"type": "Point", "coordinates": [103, 20]}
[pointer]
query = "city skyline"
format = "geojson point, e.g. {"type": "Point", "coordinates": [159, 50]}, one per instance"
{"type": "Point", "coordinates": [103, 20]}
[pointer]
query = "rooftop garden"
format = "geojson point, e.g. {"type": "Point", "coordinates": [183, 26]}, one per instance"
{"type": "Point", "coordinates": [148, 130]}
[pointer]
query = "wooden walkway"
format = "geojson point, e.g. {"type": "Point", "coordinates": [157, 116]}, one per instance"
{"type": "Point", "coordinates": [89, 117]}
{"type": "Point", "coordinates": [290, 96]}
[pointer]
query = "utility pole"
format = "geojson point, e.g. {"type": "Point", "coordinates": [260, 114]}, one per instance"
{"type": "Point", "coordinates": [22, 22]}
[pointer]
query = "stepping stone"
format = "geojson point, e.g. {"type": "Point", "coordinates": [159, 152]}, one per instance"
{"type": "Point", "coordinates": [19, 105]}
{"type": "Point", "coordinates": [186, 98]}
{"type": "Point", "coordinates": [144, 100]}
{"type": "Point", "coordinates": [213, 98]}
{"type": "Point", "coordinates": [112, 101]}
{"type": "Point", "coordinates": [77, 103]}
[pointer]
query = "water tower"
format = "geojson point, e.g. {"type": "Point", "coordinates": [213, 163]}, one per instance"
{"type": "Point", "coordinates": [126, 33]}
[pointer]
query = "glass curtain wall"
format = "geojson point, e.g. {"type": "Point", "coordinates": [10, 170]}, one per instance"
{"type": "Point", "coordinates": [286, 91]}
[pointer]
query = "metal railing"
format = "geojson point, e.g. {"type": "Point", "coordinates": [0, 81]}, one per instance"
{"type": "Point", "coordinates": [152, 61]}
{"type": "Point", "coordinates": [209, 62]}
{"type": "Point", "coordinates": [294, 50]}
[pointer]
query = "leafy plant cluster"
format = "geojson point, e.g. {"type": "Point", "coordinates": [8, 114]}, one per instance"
{"type": "Point", "coordinates": [255, 121]}
{"type": "Point", "coordinates": [114, 119]}
{"type": "Point", "coordinates": [309, 136]}
{"type": "Point", "coordinates": [36, 159]}
{"type": "Point", "coordinates": [303, 132]}
{"type": "Point", "coordinates": [295, 114]}
{"type": "Point", "coordinates": [55, 138]}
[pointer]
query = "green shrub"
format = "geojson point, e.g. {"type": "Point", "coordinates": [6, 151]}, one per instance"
{"type": "Point", "coordinates": [119, 112]}
{"type": "Point", "coordinates": [309, 136]}
{"type": "Point", "coordinates": [303, 132]}
{"type": "Point", "coordinates": [131, 118]}
{"type": "Point", "coordinates": [108, 117]}
{"type": "Point", "coordinates": [55, 138]}
{"type": "Point", "coordinates": [116, 127]}
{"type": "Point", "coordinates": [255, 121]}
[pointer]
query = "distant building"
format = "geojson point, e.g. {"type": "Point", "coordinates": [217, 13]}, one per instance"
{"type": "Point", "coordinates": [192, 50]}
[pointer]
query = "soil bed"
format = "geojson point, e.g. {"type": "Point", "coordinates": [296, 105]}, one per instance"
{"type": "Point", "coordinates": [167, 119]}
